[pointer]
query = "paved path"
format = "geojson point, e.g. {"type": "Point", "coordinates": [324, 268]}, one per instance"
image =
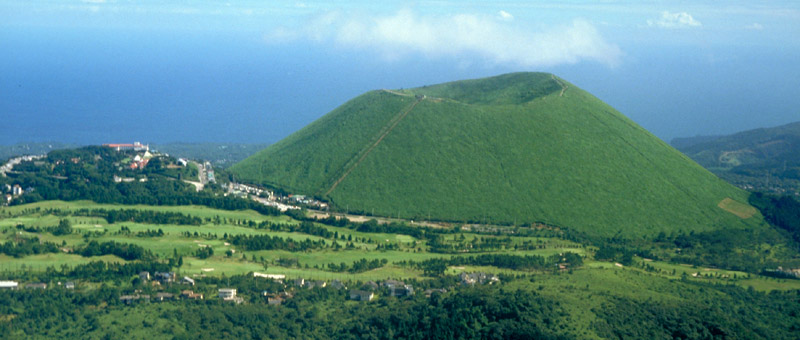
{"type": "Point", "coordinates": [563, 86]}
{"type": "Point", "coordinates": [365, 153]}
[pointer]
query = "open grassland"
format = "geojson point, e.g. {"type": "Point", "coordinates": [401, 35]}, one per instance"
{"type": "Point", "coordinates": [742, 210]}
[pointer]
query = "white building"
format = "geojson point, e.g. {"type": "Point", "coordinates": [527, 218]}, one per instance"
{"type": "Point", "coordinates": [9, 285]}
{"type": "Point", "coordinates": [227, 293]}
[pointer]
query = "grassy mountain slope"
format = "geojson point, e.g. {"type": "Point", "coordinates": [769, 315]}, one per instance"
{"type": "Point", "coordinates": [517, 148]}
{"type": "Point", "coordinates": [764, 159]}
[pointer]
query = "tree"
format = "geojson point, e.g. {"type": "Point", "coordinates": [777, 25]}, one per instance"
{"type": "Point", "coordinates": [64, 227]}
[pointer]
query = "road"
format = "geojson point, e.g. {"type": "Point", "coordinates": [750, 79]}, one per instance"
{"type": "Point", "coordinates": [381, 220]}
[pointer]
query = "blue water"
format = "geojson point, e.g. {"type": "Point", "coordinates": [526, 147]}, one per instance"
{"type": "Point", "coordinates": [187, 87]}
{"type": "Point", "coordinates": [92, 87]}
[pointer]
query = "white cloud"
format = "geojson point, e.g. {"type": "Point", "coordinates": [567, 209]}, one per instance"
{"type": "Point", "coordinates": [754, 26]}
{"type": "Point", "coordinates": [505, 15]}
{"type": "Point", "coordinates": [498, 41]}
{"type": "Point", "coordinates": [674, 20]}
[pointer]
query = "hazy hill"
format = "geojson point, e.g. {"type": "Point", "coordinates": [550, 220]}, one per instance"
{"type": "Point", "coordinates": [220, 155]}
{"type": "Point", "coordinates": [516, 148]}
{"type": "Point", "coordinates": [38, 148]}
{"type": "Point", "coordinates": [763, 159]}
{"type": "Point", "coordinates": [687, 142]}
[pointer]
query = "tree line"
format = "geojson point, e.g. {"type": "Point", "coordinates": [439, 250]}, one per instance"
{"type": "Point", "coordinates": [437, 266]}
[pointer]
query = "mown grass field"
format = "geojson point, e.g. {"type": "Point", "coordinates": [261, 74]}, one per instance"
{"type": "Point", "coordinates": [312, 264]}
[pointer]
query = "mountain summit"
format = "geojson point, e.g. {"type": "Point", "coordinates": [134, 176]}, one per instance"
{"type": "Point", "coordinates": [515, 148]}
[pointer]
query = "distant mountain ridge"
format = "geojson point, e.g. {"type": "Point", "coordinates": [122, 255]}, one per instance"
{"type": "Point", "coordinates": [515, 148]}
{"type": "Point", "coordinates": [33, 148]}
{"type": "Point", "coordinates": [686, 142]}
{"type": "Point", "coordinates": [220, 155]}
{"type": "Point", "coordinates": [761, 159]}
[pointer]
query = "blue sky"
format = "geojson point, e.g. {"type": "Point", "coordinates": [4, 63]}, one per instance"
{"type": "Point", "coordinates": [254, 71]}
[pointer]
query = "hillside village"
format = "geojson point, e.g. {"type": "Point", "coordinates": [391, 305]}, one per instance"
{"type": "Point", "coordinates": [169, 286]}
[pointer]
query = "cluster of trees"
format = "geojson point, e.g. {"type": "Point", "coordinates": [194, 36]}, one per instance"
{"type": "Point", "coordinates": [139, 216]}
{"type": "Point", "coordinates": [126, 251]}
{"type": "Point", "coordinates": [781, 211]}
{"type": "Point", "coordinates": [64, 227]}
{"type": "Point", "coordinates": [305, 227]}
{"type": "Point", "coordinates": [372, 226]}
{"type": "Point", "coordinates": [437, 266]}
{"type": "Point", "coordinates": [27, 246]}
{"type": "Point", "coordinates": [609, 252]}
{"type": "Point", "coordinates": [438, 244]}
{"type": "Point", "coordinates": [204, 253]}
{"type": "Point", "coordinates": [266, 242]}
{"type": "Point", "coordinates": [359, 266]}
{"type": "Point", "coordinates": [150, 233]}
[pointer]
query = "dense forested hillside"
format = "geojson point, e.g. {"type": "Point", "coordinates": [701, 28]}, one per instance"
{"type": "Point", "coordinates": [761, 159]}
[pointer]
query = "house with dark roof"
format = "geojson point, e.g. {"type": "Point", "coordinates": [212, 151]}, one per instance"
{"type": "Point", "coordinates": [129, 299]}
{"type": "Point", "coordinates": [160, 297]}
{"type": "Point", "coordinates": [336, 284]}
{"type": "Point", "coordinates": [371, 285]}
{"type": "Point", "coordinates": [38, 285]}
{"type": "Point", "coordinates": [361, 295]}
{"type": "Point", "coordinates": [401, 291]}
{"type": "Point", "coordinates": [164, 277]}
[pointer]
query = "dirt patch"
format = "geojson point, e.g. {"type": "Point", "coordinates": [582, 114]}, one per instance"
{"type": "Point", "coordinates": [742, 210]}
